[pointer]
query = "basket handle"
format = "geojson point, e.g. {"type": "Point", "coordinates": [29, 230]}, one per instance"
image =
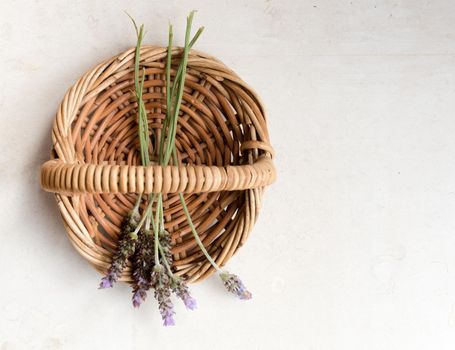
{"type": "Point", "coordinates": [60, 177]}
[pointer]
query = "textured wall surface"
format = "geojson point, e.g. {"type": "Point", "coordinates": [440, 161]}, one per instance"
{"type": "Point", "coordinates": [354, 248]}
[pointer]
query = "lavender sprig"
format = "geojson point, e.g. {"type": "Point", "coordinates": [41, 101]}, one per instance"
{"type": "Point", "coordinates": [161, 284]}
{"type": "Point", "coordinates": [165, 242]}
{"type": "Point", "coordinates": [235, 285]}
{"type": "Point", "coordinates": [143, 263]}
{"type": "Point", "coordinates": [232, 282]}
{"type": "Point", "coordinates": [140, 291]}
{"type": "Point", "coordinates": [180, 288]}
{"type": "Point", "coordinates": [125, 249]}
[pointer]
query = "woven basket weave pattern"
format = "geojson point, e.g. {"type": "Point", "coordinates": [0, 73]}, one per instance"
{"type": "Point", "coordinates": [222, 142]}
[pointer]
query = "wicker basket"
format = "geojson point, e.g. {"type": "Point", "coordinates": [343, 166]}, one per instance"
{"type": "Point", "coordinates": [222, 144]}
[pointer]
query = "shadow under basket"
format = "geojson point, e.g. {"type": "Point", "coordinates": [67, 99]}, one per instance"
{"type": "Point", "coordinates": [223, 148]}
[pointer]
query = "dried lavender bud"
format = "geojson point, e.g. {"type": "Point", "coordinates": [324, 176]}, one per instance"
{"type": "Point", "coordinates": [234, 285]}
{"type": "Point", "coordinates": [132, 220]}
{"type": "Point", "coordinates": [180, 288]}
{"type": "Point", "coordinates": [161, 284]}
{"type": "Point", "coordinates": [125, 249]}
{"type": "Point", "coordinates": [165, 242]}
{"type": "Point", "coordinates": [143, 263]}
{"type": "Point", "coordinates": [108, 280]}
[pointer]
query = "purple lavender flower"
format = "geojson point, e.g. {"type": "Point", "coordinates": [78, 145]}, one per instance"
{"type": "Point", "coordinates": [125, 249]}
{"type": "Point", "coordinates": [107, 281]}
{"type": "Point", "coordinates": [190, 302]}
{"type": "Point", "coordinates": [234, 285]}
{"type": "Point", "coordinates": [137, 298]}
{"type": "Point", "coordinates": [165, 242]}
{"type": "Point", "coordinates": [168, 318]}
{"type": "Point", "coordinates": [180, 288]}
{"type": "Point", "coordinates": [161, 283]}
{"type": "Point", "coordinates": [143, 262]}
{"type": "Point", "coordinates": [139, 295]}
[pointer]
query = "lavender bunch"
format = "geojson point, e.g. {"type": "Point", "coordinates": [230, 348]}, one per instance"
{"type": "Point", "coordinates": [125, 250]}
{"type": "Point", "coordinates": [151, 254]}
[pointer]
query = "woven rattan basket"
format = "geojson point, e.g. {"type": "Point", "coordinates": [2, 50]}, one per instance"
{"type": "Point", "coordinates": [222, 144]}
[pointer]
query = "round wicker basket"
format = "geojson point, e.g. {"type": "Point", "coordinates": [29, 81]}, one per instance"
{"type": "Point", "coordinates": [222, 145]}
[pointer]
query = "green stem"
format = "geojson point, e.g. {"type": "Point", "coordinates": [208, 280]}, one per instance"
{"type": "Point", "coordinates": [196, 235]}
{"type": "Point", "coordinates": [161, 223]}
{"type": "Point", "coordinates": [156, 225]}
{"type": "Point", "coordinates": [138, 203]}
{"type": "Point", "coordinates": [143, 218]}
{"type": "Point", "coordinates": [172, 112]}
{"type": "Point", "coordinates": [176, 109]}
{"type": "Point", "coordinates": [178, 74]}
{"type": "Point", "coordinates": [143, 124]}
{"type": "Point", "coordinates": [190, 223]}
{"type": "Point", "coordinates": [143, 129]}
{"type": "Point", "coordinates": [151, 199]}
{"type": "Point", "coordinates": [139, 86]}
{"type": "Point", "coordinates": [171, 94]}
{"type": "Point", "coordinates": [168, 95]}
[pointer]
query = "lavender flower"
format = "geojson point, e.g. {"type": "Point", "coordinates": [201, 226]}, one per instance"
{"type": "Point", "coordinates": [234, 285]}
{"type": "Point", "coordinates": [168, 318]}
{"type": "Point", "coordinates": [180, 288]}
{"type": "Point", "coordinates": [143, 262]}
{"type": "Point", "coordinates": [165, 242]}
{"type": "Point", "coordinates": [161, 284]}
{"type": "Point", "coordinates": [140, 292]}
{"type": "Point", "coordinates": [189, 302]}
{"type": "Point", "coordinates": [108, 280]}
{"type": "Point", "coordinates": [125, 249]}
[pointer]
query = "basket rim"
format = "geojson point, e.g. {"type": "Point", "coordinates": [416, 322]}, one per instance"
{"type": "Point", "coordinates": [79, 178]}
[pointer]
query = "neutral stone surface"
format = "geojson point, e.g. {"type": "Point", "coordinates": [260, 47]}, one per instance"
{"type": "Point", "coordinates": [355, 245]}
